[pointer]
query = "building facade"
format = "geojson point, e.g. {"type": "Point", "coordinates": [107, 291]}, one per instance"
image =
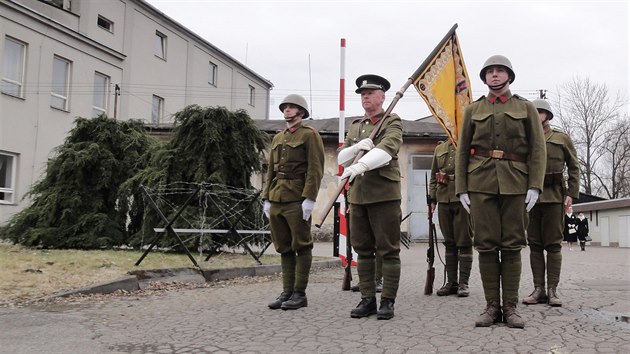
{"type": "Point", "coordinates": [63, 59]}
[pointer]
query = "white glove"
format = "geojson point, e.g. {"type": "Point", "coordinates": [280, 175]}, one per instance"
{"type": "Point", "coordinates": [375, 158]}
{"type": "Point", "coordinates": [465, 200]}
{"type": "Point", "coordinates": [307, 208]}
{"type": "Point", "coordinates": [266, 207]}
{"type": "Point", "coordinates": [346, 155]}
{"type": "Point", "coordinates": [531, 198]}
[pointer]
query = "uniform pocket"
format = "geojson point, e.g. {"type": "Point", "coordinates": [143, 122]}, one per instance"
{"type": "Point", "coordinates": [515, 124]}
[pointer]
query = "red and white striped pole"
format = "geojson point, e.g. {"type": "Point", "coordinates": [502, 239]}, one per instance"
{"type": "Point", "coordinates": [343, 225]}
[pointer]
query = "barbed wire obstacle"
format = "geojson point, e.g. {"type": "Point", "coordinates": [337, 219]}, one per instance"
{"type": "Point", "coordinates": [217, 217]}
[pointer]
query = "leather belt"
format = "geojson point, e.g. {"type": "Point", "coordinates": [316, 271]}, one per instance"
{"type": "Point", "coordinates": [499, 154]}
{"type": "Point", "coordinates": [554, 178]}
{"type": "Point", "coordinates": [443, 178]}
{"type": "Point", "coordinates": [288, 175]}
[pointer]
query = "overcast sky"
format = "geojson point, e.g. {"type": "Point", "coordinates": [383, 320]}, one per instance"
{"type": "Point", "coordinates": [296, 44]}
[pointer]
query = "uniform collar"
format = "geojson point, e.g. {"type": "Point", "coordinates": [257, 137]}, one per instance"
{"type": "Point", "coordinates": [293, 128]}
{"type": "Point", "coordinates": [374, 118]}
{"type": "Point", "coordinates": [499, 99]}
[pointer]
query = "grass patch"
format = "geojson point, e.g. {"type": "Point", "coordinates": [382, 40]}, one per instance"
{"type": "Point", "coordinates": [28, 273]}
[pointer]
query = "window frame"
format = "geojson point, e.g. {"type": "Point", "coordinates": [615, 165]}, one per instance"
{"type": "Point", "coordinates": [66, 85]}
{"type": "Point", "coordinates": [252, 96]}
{"type": "Point", "coordinates": [104, 89]}
{"type": "Point", "coordinates": [160, 39]}
{"type": "Point", "coordinates": [7, 193]}
{"type": "Point", "coordinates": [213, 70]}
{"type": "Point", "coordinates": [110, 23]}
{"type": "Point", "coordinates": [19, 77]}
{"type": "Point", "coordinates": [157, 115]}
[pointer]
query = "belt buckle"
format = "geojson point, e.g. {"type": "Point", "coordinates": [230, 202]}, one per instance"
{"type": "Point", "coordinates": [496, 154]}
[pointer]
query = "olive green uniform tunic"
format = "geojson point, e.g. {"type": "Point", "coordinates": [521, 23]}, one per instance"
{"type": "Point", "coordinates": [375, 213]}
{"type": "Point", "coordinates": [546, 219]}
{"type": "Point", "coordinates": [295, 171]}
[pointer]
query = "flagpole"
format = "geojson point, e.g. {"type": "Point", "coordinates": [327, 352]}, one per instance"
{"type": "Point", "coordinates": [398, 96]}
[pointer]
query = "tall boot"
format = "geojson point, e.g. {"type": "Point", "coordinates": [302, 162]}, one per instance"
{"type": "Point", "coordinates": [583, 245]}
{"type": "Point", "coordinates": [510, 280]}
{"type": "Point", "coordinates": [490, 270]}
{"type": "Point", "coordinates": [465, 266]}
{"type": "Point", "coordinates": [537, 262]}
{"type": "Point", "coordinates": [450, 257]}
{"type": "Point", "coordinates": [554, 265]}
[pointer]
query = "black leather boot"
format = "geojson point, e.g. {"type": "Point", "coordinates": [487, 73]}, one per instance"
{"type": "Point", "coordinates": [366, 307]}
{"type": "Point", "coordinates": [279, 300]}
{"type": "Point", "coordinates": [297, 300]}
{"type": "Point", "coordinates": [386, 311]}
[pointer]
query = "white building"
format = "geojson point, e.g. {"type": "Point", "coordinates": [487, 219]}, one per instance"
{"type": "Point", "coordinates": [63, 59]}
{"type": "Point", "coordinates": [608, 221]}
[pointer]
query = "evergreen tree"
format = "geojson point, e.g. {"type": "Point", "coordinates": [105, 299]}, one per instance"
{"type": "Point", "coordinates": [75, 204]}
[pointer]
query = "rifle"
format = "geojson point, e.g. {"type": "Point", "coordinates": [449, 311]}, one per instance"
{"type": "Point", "coordinates": [347, 276]}
{"type": "Point", "coordinates": [428, 285]}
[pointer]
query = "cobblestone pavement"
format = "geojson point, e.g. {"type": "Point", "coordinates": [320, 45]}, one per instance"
{"type": "Point", "coordinates": [595, 289]}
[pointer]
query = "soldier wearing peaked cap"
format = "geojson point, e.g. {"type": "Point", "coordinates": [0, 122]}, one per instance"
{"type": "Point", "coordinates": [295, 171]}
{"type": "Point", "coordinates": [374, 196]}
{"type": "Point", "coordinates": [498, 176]}
{"type": "Point", "coordinates": [546, 219]}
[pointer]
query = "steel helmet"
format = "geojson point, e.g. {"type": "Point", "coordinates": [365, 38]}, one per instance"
{"type": "Point", "coordinates": [296, 100]}
{"type": "Point", "coordinates": [497, 60]}
{"type": "Point", "coordinates": [544, 105]}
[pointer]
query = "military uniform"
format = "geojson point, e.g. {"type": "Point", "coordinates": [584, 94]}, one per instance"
{"type": "Point", "coordinates": [295, 171]}
{"type": "Point", "coordinates": [375, 212]}
{"type": "Point", "coordinates": [544, 232]}
{"type": "Point", "coordinates": [501, 154]}
{"type": "Point", "coordinates": [453, 220]}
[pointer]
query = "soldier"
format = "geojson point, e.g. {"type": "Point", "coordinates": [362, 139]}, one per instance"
{"type": "Point", "coordinates": [498, 176]}
{"type": "Point", "coordinates": [453, 221]}
{"type": "Point", "coordinates": [295, 171]}
{"type": "Point", "coordinates": [374, 197]}
{"type": "Point", "coordinates": [546, 219]}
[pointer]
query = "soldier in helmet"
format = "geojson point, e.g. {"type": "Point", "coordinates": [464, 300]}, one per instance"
{"type": "Point", "coordinates": [295, 171]}
{"type": "Point", "coordinates": [374, 197]}
{"type": "Point", "coordinates": [453, 220]}
{"type": "Point", "coordinates": [546, 219]}
{"type": "Point", "coordinates": [498, 177]}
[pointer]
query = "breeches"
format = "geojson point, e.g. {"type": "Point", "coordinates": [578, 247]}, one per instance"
{"type": "Point", "coordinates": [498, 221]}
{"type": "Point", "coordinates": [546, 222]}
{"type": "Point", "coordinates": [375, 229]}
{"type": "Point", "coordinates": [454, 224]}
{"type": "Point", "coordinates": [289, 231]}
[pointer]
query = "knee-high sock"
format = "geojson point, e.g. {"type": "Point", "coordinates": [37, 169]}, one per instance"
{"type": "Point", "coordinates": [287, 261]}
{"type": "Point", "coordinates": [510, 275]}
{"type": "Point", "coordinates": [490, 270]}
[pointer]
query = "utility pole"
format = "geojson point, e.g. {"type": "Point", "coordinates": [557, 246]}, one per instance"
{"type": "Point", "coordinates": [116, 94]}
{"type": "Point", "coordinates": [542, 94]}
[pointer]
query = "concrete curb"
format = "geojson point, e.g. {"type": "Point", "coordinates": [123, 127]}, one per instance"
{"type": "Point", "coordinates": [140, 279]}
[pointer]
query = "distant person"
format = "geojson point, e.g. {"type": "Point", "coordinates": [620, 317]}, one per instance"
{"type": "Point", "coordinates": [454, 221]}
{"type": "Point", "coordinates": [570, 228]}
{"type": "Point", "coordinates": [296, 168]}
{"type": "Point", "coordinates": [582, 230]}
{"type": "Point", "coordinates": [544, 231]}
{"type": "Point", "coordinates": [374, 196]}
{"type": "Point", "coordinates": [499, 175]}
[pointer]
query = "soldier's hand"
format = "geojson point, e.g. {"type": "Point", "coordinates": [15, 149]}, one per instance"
{"type": "Point", "coordinates": [531, 198]}
{"type": "Point", "coordinates": [465, 200]}
{"type": "Point", "coordinates": [432, 207]}
{"type": "Point", "coordinates": [352, 171]}
{"type": "Point", "coordinates": [365, 144]}
{"type": "Point", "coordinates": [307, 208]}
{"type": "Point", "coordinates": [266, 207]}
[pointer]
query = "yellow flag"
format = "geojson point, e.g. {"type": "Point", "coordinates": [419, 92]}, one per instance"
{"type": "Point", "coordinates": [445, 86]}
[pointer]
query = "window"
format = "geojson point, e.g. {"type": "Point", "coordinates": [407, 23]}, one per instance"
{"type": "Point", "coordinates": [105, 24]}
{"type": "Point", "coordinates": [62, 4]}
{"type": "Point", "coordinates": [212, 73]}
{"type": "Point", "coordinates": [157, 109]}
{"type": "Point", "coordinates": [7, 177]}
{"type": "Point", "coordinates": [159, 47]}
{"type": "Point", "coordinates": [13, 67]}
{"type": "Point", "coordinates": [252, 95]}
{"type": "Point", "coordinates": [99, 96]}
{"type": "Point", "coordinates": [60, 83]}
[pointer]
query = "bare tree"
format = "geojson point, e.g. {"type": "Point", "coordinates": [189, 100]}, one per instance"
{"type": "Point", "coordinates": [587, 113]}
{"type": "Point", "coordinates": [614, 178]}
